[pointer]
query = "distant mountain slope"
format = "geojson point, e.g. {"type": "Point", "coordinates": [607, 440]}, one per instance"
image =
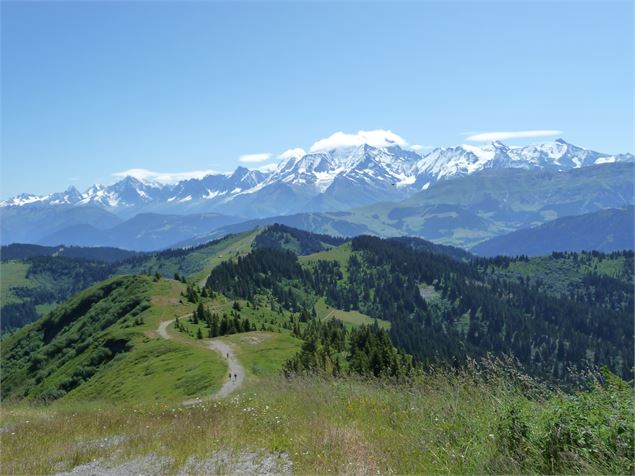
{"type": "Point", "coordinates": [143, 232]}
{"type": "Point", "coordinates": [31, 224]}
{"type": "Point", "coordinates": [19, 251]}
{"type": "Point", "coordinates": [324, 223]}
{"type": "Point", "coordinates": [465, 211]}
{"type": "Point", "coordinates": [604, 230]}
{"type": "Point", "coordinates": [195, 262]}
{"type": "Point", "coordinates": [419, 244]}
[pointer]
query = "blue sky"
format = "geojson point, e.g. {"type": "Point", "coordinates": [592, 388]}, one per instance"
{"type": "Point", "coordinates": [91, 89]}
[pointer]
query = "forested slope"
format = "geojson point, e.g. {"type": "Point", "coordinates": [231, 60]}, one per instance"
{"type": "Point", "coordinates": [442, 310]}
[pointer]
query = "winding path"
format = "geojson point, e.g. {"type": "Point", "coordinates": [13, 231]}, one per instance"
{"type": "Point", "coordinates": [236, 371]}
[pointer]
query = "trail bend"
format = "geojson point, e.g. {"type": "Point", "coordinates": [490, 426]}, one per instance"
{"type": "Point", "coordinates": [236, 373]}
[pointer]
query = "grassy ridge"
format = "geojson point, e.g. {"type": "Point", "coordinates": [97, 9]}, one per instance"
{"type": "Point", "coordinates": [195, 263]}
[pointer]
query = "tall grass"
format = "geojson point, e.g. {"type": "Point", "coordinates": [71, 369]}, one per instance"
{"type": "Point", "coordinates": [484, 419]}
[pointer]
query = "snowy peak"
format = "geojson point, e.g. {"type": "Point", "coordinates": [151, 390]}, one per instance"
{"type": "Point", "coordinates": [558, 155]}
{"type": "Point", "coordinates": [343, 170]}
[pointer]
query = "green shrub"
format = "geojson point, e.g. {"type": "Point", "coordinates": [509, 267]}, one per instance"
{"type": "Point", "coordinates": [592, 428]}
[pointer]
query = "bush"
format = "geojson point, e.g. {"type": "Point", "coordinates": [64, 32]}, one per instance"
{"type": "Point", "coordinates": [588, 431]}
{"type": "Point", "coordinates": [591, 428]}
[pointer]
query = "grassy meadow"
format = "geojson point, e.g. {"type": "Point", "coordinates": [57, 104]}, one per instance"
{"type": "Point", "coordinates": [477, 421]}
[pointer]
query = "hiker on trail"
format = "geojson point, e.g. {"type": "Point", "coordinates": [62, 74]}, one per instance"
{"type": "Point", "coordinates": [228, 355]}
{"type": "Point", "coordinates": [235, 377]}
{"type": "Point", "coordinates": [230, 375]}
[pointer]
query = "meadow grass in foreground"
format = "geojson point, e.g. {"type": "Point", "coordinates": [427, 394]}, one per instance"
{"type": "Point", "coordinates": [470, 423]}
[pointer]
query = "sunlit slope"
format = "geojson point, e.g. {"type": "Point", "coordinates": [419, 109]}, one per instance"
{"type": "Point", "coordinates": [192, 263]}
{"type": "Point", "coordinates": [101, 345]}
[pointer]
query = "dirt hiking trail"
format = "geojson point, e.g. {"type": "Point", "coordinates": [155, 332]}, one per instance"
{"type": "Point", "coordinates": [235, 374]}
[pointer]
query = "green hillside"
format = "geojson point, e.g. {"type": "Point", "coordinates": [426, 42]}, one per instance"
{"type": "Point", "coordinates": [31, 287]}
{"type": "Point", "coordinates": [605, 279]}
{"type": "Point", "coordinates": [35, 285]}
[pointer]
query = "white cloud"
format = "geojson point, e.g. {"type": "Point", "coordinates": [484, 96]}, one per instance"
{"type": "Point", "coordinates": [164, 177]}
{"type": "Point", "coordinates": [292, 153]}
{"type": "Point", "coordinates": [268, 167]}
{"type": "Point", "coordinates": [254, 158]}
{"type": "Point", "coordinates": [418, 147]}
{"type": "Point", "coordinates": [505, 135]}
{"type": "Point", "coordinates": [376, 138]}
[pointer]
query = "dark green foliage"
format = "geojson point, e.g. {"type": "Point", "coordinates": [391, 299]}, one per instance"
{"type": "Point", "coordinates": [599, 279]}
{"type": "Point", "coordinates": [52, 356]}
{"type": "Point", "coordinates": [216, 325]}
{"type": "Point", "coordinates": [365, 350]}
{"type": "Point", "coordinates": [16, 315]}
{"type": "Point", "coordinates": [573, 432]}
{"type": "Point", "coordinates": [260, 269]}
{"type": "Point", "coordinates": [419, 244]}
{"type": "Point", "coordinates": [544, 332]}
{"type": "Point", "coordinates": [18, 251]}
{"type": "Point", "coordinates": [300, 242]}
{"type": "Point", "coordinates": [191, 293]}
{"type": "Point", "coordinates": [473, 313]}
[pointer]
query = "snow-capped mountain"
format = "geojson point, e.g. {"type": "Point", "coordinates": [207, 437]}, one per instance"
{"type": "Point", "coordinates": [335, 179]}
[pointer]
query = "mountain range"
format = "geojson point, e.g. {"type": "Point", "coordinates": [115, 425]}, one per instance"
{"type": "Point", "coordinates": [459, 196]}
{"type": "Point", "coordinates": [333, 180]}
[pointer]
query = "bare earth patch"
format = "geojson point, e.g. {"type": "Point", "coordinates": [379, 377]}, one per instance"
{"type": "Point", "coordinates": [150, 464]}
{"type": "Point", "coordinates": [221, 462]}
{"type": "Point", "coordinates": [106, 442]}
{"type": "Point", "coordinates": [239, 462]}
{"type": "Point", "coordinates": [254, 339]}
